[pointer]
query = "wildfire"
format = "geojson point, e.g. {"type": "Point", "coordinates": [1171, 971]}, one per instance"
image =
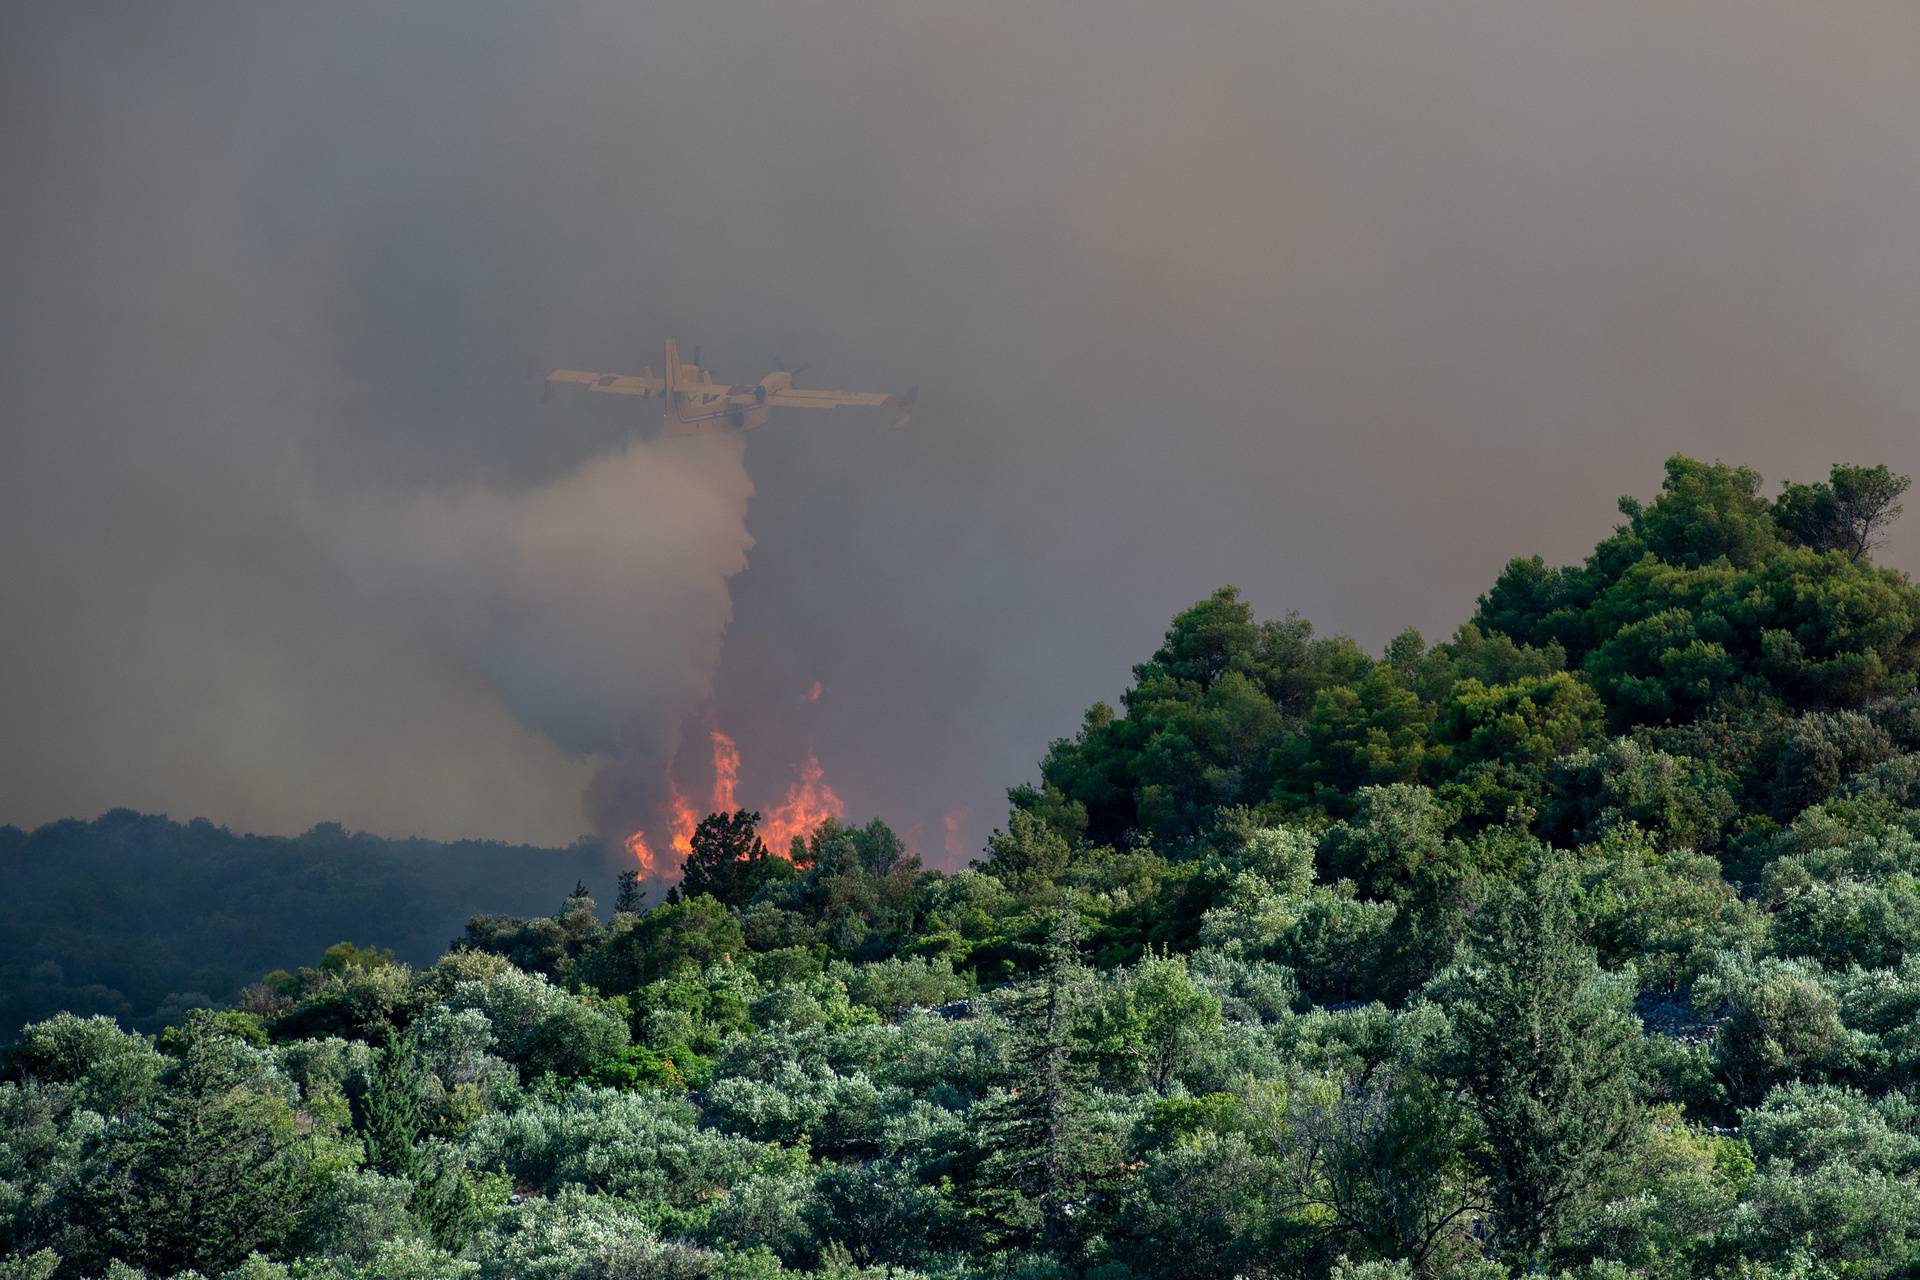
{"type": "Point", "coordinates": [637, 846]}
{"type": "Point", "coordinates": [808, 803]}
{"type": "Point", "coordinates": [683, 819]}
{"type": "Point", "coordinates": [951, 821]}
{"type": "Point", "coordinates": [680, 822]}
{"type": "Point", "coordinates": [726, 772]}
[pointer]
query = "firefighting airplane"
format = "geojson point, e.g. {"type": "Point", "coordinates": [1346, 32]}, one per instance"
{"type": "Point", "coordinates": [694, 402]}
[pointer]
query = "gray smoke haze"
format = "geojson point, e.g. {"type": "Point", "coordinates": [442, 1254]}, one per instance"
{"type": "Point", "coordinates": [593, 605]}
{"type": "Point", "coordinates": [1342, 303]}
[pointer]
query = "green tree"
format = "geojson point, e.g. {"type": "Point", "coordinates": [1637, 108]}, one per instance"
{"type": "Point", "coordinates": [213, 1168]}
{"type": "Point", "coordinates": [685, 933]}
{"type": "Point", "coordinates": [1372, 732]}
{"type": "Point", "coordinates": [1028, 856]}
{"type": "Point", "coordinates": [1705, 511]}
{"type": "Point", "coordinates": [1394, 832]}
{"type": "Point", "coordinates": [1382, 1164]}
{"type": "Point", "coordinates": [1200, 726]}
{"type": "Point", "coordinates": [1545, 1051]}
{"type": "Point", "coordinates": [452, 1201]}
{"type": "Point", "coordinates": [392, 1108]}
{"type": "Point", "coordinates": [1203, 1208]}
{"type": "Point", "coordinates": [627, 901]}
{"type": "Point", "coordinates": [1534, 604]}
{"type": "Point", "coordinates": [1848, 512]}
{"type": "Point", "coordinates": [1782, 1023]}
{"type": "Point", "coordinates": [856, 894]}
{"type": "Point", "coordinates": [1043, 1152]}
{"type": "Point", "coordinates": [1834, 1175]}
{"type": "Point", "coordinates": [1527, 723]}
{"type": "Point", "coordinates": [728, 860]}
{"type": "Point", "coordinates": [1819, 753]}
{"type": "Point", "coordinates": [1151, 1020]}
{"type": "Point", "coordinates": [1698, 602]}
{"type": "Point", "coordinates": [1473, 654]}
{"type": "Point", "coordinates": [835, 849]}
{"type": "Point", "coordinates": [1626, 786]}
{"type": "Point", "coordinates": [104, 1068]}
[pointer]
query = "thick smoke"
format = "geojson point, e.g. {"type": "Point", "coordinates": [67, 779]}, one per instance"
{"type": "Point", "coordinates": [259, 582]}
{"type": "Point", "coordinates": [593, 605]}
{"type": "Point", "coordinates": [1342, 303]}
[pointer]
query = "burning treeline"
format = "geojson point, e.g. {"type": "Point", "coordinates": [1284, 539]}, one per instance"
{"type": "Point", "coordinates": [809, 801]}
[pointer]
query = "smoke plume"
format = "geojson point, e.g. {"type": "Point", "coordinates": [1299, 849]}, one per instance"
{"type": "Point", "coordinates": [593, 605]}
{"type": "Point", "coordinates": [1342, 303]}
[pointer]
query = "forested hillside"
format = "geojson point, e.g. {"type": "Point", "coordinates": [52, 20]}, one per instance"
{"type": "Point", "coordinates": [1584, 942]}
{"type": "Point", "coordinates": [142, 918]}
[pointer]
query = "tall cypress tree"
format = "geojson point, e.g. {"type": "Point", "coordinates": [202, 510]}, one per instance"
{"type": "Point", "coordinates": [1044, 1153]}
{"type": "Point", "coordinates": [392, 1110]}
{"type": "Point", "coordinates": [1546, 1051]}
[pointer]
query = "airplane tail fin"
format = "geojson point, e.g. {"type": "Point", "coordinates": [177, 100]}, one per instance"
{"type": "Point", "coordinates": [673, 414]}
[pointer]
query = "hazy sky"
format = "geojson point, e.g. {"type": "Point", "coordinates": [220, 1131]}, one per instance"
{"type": "Point", "coordinates": [1343, 303]}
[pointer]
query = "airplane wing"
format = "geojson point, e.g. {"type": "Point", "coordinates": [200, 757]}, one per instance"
{"type": "Point", "coordinates": [808, 398]}
{"type": "Point", "coordinates": [616, 384]}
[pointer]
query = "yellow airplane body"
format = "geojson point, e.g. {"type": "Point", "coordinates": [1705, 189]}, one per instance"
{"type": "Point", "coordinates": [694, 402]}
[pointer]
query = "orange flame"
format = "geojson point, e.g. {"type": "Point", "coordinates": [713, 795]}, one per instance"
{"type": "Point", "coordinates": [726, 772]}
{"type": "Point", "coordinates": [809, 802]}
{"type": "Point", "coordinates": [951, 822]}
{"type": "Point", "coordinates": [637, 846]}
{"type": "Point", "coordinates": [681, 818]}
{"type": "Point", "coordinates": [813, 694]}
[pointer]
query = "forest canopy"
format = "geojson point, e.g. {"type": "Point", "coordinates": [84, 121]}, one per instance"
{"type": "Point", "coordinates": [1583, 942]}
{"type": "Point", "coordinates": [143, 918]}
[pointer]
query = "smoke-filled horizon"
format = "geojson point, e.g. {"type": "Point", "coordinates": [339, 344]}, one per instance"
{"type": "Point", "coordinates": [1345, 305]}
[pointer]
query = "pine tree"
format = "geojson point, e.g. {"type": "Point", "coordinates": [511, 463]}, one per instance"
{"type": "Point", "coordinates": [627, 901]}
{"type": "Point", "coordinates": [728, 859]}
